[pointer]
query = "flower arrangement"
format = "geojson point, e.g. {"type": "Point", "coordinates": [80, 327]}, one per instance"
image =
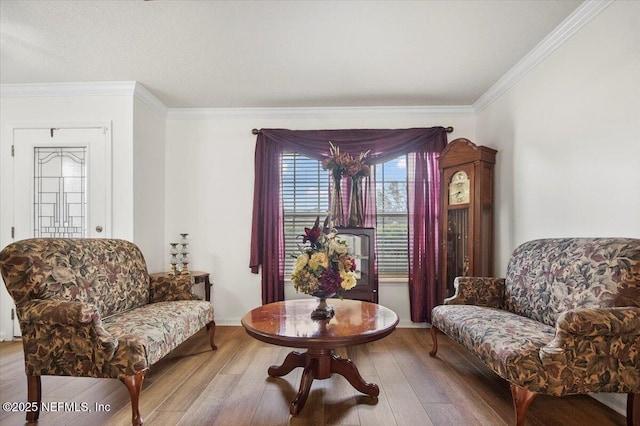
{"type": "Point", "coordinates": [342, 164]}
{"type": "Point", "coordinates": [324, 267]}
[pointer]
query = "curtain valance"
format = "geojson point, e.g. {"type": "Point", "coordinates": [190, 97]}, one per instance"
{"type": "Point", "coordinates": [382, 144]}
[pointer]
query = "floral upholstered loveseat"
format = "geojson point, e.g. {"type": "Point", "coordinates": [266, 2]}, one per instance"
{"type": "Point", "coordinates": [565, 320]}
{"type": "Point", "coordinates": [88, 308]}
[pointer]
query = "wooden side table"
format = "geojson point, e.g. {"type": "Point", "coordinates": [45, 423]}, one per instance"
{"type": "Point", "coordinates": [199, 277]}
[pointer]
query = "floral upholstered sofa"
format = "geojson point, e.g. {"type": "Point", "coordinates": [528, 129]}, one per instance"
{"type": "Point", "coordinates": [88, 308]}
{"type": "Point", "coordinates": [565, 320]}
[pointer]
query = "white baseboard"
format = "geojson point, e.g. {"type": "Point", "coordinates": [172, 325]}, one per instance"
{"type": "Point", "coordinates": [227, 321]}
{"type": "Point", "coordinates": [409, 324]}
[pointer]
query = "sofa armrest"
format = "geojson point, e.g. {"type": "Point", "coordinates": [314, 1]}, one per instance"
{"type": "Point", "coordinates": [58, 312]}
{"type": "Point", "coordinates": [601, 322]}
{"type": "Point", "coordinates": [69, 314]}
{"type": "Point", "coordinates": [480, 291]}
{"type": "Point", "coordinates": [168, 288]}
{"type": "Point", "coordinates": [583, 331]}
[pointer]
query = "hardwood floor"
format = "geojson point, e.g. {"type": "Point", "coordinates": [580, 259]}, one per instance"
{"type": "Point", "coordinates": [196, 386]}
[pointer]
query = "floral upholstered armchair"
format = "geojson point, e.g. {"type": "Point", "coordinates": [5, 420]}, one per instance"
{"type": "Point", "coordinates": [87, 308]}
{"type": "Point", "coordinates": [565, 320]}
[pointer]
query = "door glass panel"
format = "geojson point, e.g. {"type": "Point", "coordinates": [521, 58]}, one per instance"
{"type": "Point", "coordinates": [60, 201]}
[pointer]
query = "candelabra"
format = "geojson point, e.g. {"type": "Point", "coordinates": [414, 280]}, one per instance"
{"type": "Point", "coordinates": [174, 259]}
{"type": "Point", "coordinates": [184, 255]}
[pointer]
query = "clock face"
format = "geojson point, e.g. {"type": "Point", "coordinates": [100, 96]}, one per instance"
{"type": "Point", "coordinates": [459, 188]}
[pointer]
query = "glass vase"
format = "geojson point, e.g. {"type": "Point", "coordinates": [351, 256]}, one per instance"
{"type": "Point", "coordinates": [337, 215]}
{"type": "Point", "coordinates": [356, 205]}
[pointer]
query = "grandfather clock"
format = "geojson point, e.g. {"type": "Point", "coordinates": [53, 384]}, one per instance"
{"type": "Point", "coordinates": [466, 214]}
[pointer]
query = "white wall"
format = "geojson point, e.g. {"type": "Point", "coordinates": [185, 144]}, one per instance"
{"type": "Point", "coordinates": [568, 138]}
{"type": "Point", "coordinates": [210, 178]}
{"type": "Point", "coordinates": [149, 184]}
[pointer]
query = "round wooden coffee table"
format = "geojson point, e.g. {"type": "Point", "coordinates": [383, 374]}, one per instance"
{"type": "Point", "coordinates": [289, 324]}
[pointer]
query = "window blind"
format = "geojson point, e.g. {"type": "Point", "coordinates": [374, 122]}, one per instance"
{"type": "Point", "coordinates": [392, 213]}
{"type": "Point", "coordinates": [305, 196]}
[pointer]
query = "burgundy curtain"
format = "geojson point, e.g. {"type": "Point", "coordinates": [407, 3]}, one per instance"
{"type": "Point", "coordinates": [424, 215]}
{"type": "Point", "coordinates": [267, 234]}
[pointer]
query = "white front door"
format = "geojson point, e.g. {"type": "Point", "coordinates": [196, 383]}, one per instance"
{"type": "Point", "coordinates": [61, 184]}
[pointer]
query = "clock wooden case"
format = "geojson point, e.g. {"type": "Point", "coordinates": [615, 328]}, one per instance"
{"type": "Point", "coordinates": [466, 214]}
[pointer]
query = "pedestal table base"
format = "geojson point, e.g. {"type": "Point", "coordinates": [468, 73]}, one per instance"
{"type": "Point", "coordinates": [320, 364]}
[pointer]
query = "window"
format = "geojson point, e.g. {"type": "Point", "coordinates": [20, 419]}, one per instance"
{"type": "Point", "coordinates": [305, 196]}
{"type": "Point", "coordinates": [392, 216]}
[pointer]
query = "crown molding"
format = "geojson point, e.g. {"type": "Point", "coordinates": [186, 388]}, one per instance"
{"type": "Point", "coordinates": [319, 112]}
{"type": "Point", "coordinates": [146, 97]}
{"type": "Point", "coordinates": [101, 88]}
{"type": "Point", "coordinates": [572, 24]}
{"type": "Point", "coordinates": [133, 88]}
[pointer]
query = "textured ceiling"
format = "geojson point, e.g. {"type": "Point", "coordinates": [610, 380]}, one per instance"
{"type": "Point", "coordinates": [230, 54]}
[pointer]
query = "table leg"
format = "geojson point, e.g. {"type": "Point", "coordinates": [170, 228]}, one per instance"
{"type": "Point", "coordinates": [293, 360]}
{"type": "Point", "coordinates": [347, 369]}
{"type": "Point", "coordinates": [305, 387]}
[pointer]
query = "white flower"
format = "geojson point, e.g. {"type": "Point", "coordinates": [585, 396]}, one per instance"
{"type": "Point", "coordinates": [301, 262]}
{"type": "Point", "coordinates": [348, 280]}
{"type": "Point", "coordinates": [337, 247]}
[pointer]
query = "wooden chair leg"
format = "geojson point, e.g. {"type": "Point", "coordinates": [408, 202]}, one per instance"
{"type": "Point", "coordinates": [521, 399]}
{"type": "Point", "coordinates": [434, 339]}
{"type": "Point", "coordinates": [633, 409]}
{"type": "Point", "coordinates": [34, 396]}
{"type": "Point", "coordinates": [212, 330]}
{"type": "Point", "coordinates": [134, 386]}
